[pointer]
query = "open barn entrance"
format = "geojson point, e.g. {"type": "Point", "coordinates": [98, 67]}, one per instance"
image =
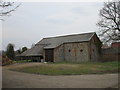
{"type": "Point", "coordinates": [49, 55]}
{"type": "Point", "coordinates": [36, 58]}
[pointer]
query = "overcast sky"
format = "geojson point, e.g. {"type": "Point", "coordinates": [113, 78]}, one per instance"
{"type": "Point", "coordinates": [33, 21]}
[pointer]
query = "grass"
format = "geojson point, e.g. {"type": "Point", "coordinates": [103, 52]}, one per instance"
{"type": "Point", "coordinates": [72, 68]}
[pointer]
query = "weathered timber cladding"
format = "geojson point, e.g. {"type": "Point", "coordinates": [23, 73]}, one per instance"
{"type": "Point", "coordinates": [59, 53]}
{"type": "Point", "coordinates": [94, 54]}
{"type": "Point", "coordinates": [76, 52]}
{"type": "Point", "coordinates": [94, 51]}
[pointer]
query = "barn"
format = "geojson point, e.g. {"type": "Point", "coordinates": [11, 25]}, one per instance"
{"type": "Point", "coordinates": [74, 48]}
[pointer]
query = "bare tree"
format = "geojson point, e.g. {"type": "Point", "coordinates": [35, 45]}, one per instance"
{"type": "Point", "coordinates": [24, 49]}
{"type": "Point", "coordinates": [6, 8]}
{"type": "Point", "coordinates": [110, 22]}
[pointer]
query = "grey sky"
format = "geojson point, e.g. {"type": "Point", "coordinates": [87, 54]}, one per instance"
{"type": "Point", "coordinates": [33, 21]}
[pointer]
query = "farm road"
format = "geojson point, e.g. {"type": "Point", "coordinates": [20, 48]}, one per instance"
{"type": "Point", "coordinates": [12, 79]}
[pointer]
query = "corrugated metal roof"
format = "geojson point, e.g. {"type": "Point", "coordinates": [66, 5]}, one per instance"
{"type": "Point", "coordinates": [53, 42]}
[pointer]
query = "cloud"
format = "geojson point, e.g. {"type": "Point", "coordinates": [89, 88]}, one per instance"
{"type": "Point", "coordinates": [58, 21]}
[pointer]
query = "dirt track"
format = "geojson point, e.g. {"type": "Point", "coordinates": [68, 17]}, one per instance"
{"type": "Point", "coordinates": [12, 79]}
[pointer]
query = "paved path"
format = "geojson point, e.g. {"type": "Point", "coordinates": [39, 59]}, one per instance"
{"type": "Point", "coordinates": [12, 79]}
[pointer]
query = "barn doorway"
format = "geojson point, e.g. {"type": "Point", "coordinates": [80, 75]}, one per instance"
{"type": "Point", "coordinates": [49, 55]}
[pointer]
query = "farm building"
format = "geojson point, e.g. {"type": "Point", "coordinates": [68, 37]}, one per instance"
{"type": "Point", "coordinates": [78, 47]}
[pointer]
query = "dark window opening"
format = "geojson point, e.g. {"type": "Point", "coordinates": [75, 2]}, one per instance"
{"type": "Point", "coordinates": [69, 50]}
{"type": "Point", "coordinates": [81, 50]}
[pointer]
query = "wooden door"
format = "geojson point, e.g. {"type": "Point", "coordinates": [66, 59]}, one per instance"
{"type": "Point", "coordinates": [49, 54]}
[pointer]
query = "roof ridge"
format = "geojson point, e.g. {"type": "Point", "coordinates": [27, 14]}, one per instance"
{"type": "Point", "coordinates": [69, 35]}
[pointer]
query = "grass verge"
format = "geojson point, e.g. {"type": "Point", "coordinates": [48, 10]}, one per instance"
{"type": "Point", "coordinates": [72, 68]}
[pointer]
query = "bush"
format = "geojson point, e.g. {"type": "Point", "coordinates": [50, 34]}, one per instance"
{"type": "Point", "coordinates": [6, 60]}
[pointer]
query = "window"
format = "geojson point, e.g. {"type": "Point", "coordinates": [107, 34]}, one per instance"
{"type": "Point", "coordinates": [69, 50]}
{"type": "Point", "coordinates": [81, 50]}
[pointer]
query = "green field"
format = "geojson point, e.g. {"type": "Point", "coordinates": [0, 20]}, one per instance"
{"type": "Point", "coordinates": [72, 68]}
